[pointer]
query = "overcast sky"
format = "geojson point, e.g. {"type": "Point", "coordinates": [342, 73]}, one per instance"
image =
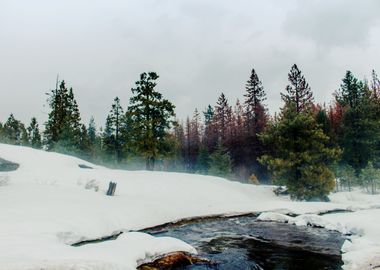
{"type": "Point", "coordinates": [198, 47]}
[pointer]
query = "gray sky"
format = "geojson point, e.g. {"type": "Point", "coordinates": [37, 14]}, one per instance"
{"type": "Point", "coordinates": [198, 47]}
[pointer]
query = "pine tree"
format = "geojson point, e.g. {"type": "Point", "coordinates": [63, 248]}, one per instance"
{"type": "Point", "coordinates": [179, 135]}
{"type": "Point", "coordinates": [298, 91]}
{"type": "Point", "coordinates": [256, 119]}
{"type": "Point", "coordinates": [323, 120]}
{"type": "Point", "coordinates": [187, 145]}
{"type": "Point", "coordinates": [222, 118]}
{"type": "Point", "coordinates": [370, 178]}
{"type": "Point", "coordinates": [151, 117]}
{"type": "Point", "coordinates": [253, 104]}
{"type": "Point", "coordinates": [116, 118]}
{"type": "Point", "coordinates": [210, 136]}
{"type": "Point", "coordinates": [302, 156]}
{"type": "Point", "coordinates": [108, 140]}
{"type": "Point", "coordinates": [203, 161]}
{"type": "Point", "coordinates": [346, 177]}
{"type": "Point", "coordinates": [193, 141]}
{"type": "Point", "coordinates": [84, 143]}
{"type": "Point", "coordinates": [360, 123]}
{"type": "Point", "coordinates": [375, 86]}
{"type": "Point", "coordinates": [238, 143]}
{"type": "Point", "coordinates": [91, 131]}
{"type": "Point", "coordinates": [335, 115]}
{"type": "Point", "coordinates": [220, 162]}
{"type": "Point", "coordinates": [63, 128]}
{"type": "Point", "coordinates": [14, 132]}
{"type": "Point", "coordinates": [34, 134]}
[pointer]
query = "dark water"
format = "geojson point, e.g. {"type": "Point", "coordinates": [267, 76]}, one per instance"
{"type": "Point", "coordinates": [244, 243]}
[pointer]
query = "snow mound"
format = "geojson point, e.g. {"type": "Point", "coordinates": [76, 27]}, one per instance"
{"type": "Point", "coordinates": [312, 220]}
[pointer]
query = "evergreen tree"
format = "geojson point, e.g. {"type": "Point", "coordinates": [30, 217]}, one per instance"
{"type": "Point", "coordinates": [84, 143]}
{"type": "Point", "coordinates": [187, 146]}
{"type": "Point", "coordinates": [346, 177]}
{"type": "Point", "coordinates": [63, 128]}
{"type": "Point", "coordinates": [301, 159]}
{"type": "Point", "coordinates": [117, 120]}
{"type": "Point", "coordinates": [323, 120]}
{"type": "Point", "coordinates": [108, 140]}
{"type": "Point", "coordinates": [151, 117]}
{"type": "Point", "coordinates": [360, 123]}
{"type": "Point", "coordinates": [256, 119]}
{"type": "Point", "coordinates": [351, 92]}
{"type": "Point", "coordinates": [370, 178]}
{"type": "Point", "coordinates": [238, 143]}
{"type": "Point", "coordinates": [222, 118]}
{"type": "Point", "coordinates": [203, 161]}
{"type": "Point", "coordinates": [255, 96]}
{"type": "Point", "coordinates": [210, 136]}
{"type": "Point", "coordinates": [34, 134]}
{"type": "Point", "coordinates": [193, 141]}
{"type": "Point", "coordinates": [179, 154]}
{"type": "Point", "coordinates": [335, 115]}
{"type": "Point", "coordinates": [298, 91]}
{"type": "Point", "coordinates": [220, 162]}
{"type": "Point", "coordinates": [91, 131]}
{"type": "Point", "coordinates": [375, 85]}
{"type": "Point", "coordinates": [14, 132]}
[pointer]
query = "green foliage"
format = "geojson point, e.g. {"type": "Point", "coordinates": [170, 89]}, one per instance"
{"type": "Point", "coordinates": [116, 129]}
{"type": "Point", "coordinates": [63, 128]}
{"type": "Point", "coordinates": [34, 135]}
{"type": "Point", "coordinates": [108, 140]}
{"type": "Point", "coordinates": [323, 121]}
{"type": "Point", "coordinates": [255, 119]}
{"type": "Point", "coordinates": [360, 124]}
{"type": "Point", "coordinates": [220, 162]}
{"type": "Point", "coordinates": [151, 116]}
{"type": "Point", "coordinates": [346, 177]}
{"type": "Point", "coordinates": [370, 178]}
{"type": "Point", "coordinates": [203, 161]}
{"type": "Point", "coordinates": [14, 132]}
{"type": "Point", "coordinates": [301, 158]}
{"type": "Point", "coordinates": [298, 91]}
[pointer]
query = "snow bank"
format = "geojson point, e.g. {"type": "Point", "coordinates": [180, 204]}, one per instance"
{"type": "Point", "coordinates": [49, 203]}
{"type": "Point", "coordinates": [127, 252]}
{"type": "Point", "coordinates": [312, 220]}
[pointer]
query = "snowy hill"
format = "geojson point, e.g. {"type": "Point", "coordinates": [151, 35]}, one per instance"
{"type": "Point", "coordinates": [50, 202]}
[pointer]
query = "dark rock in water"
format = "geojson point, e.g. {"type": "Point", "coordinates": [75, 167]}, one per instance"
{"type": "Point", "coordinates": [7, 166]}
{"type": "Point", "coordinates": [83, 166]}
{"type": "Point", "coordinates": [172, 261]}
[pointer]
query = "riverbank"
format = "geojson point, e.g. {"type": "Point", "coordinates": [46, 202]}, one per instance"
{"type": "Point", "coordinates": [50, 202]}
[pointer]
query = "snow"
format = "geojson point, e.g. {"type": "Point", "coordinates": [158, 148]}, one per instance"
{"type": "Point", "coordinates": [49, 203]}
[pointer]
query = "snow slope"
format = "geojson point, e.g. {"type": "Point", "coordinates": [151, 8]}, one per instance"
{"type": "Point", "coordinates": [49, 203]}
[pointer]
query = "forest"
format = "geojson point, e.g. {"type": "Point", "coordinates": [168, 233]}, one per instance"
{"type": "Point", "coordinates": [310, 148]}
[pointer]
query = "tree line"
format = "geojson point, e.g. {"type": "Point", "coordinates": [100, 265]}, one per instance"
{"type": "Point", "coordinates": [308, 147]}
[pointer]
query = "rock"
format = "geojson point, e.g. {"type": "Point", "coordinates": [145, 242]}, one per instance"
{"type": "Point", "coordinates": [84, 166]}
{"type": "Point", "coordinates": [172, 260]}
{"type": "Point", "coordinates": [7, 166]}
{"type": "Point", "coordinates": [281, 191]}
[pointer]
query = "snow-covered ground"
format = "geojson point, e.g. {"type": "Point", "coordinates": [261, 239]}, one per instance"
{"type": "Point", "coordinates": [49, 203]}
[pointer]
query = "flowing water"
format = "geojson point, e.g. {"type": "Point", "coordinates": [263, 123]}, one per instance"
{"type": "Point", "coordinates": [245, 243]}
